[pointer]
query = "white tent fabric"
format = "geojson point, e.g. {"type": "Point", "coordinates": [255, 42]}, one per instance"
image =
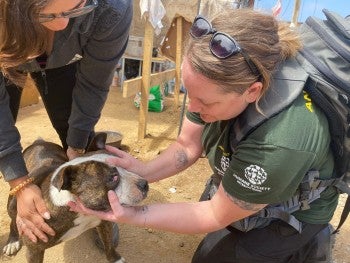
{"type": "Point", "coordinates": [155, 12]}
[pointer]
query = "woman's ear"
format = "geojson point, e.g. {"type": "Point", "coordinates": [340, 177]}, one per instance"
{"type": "Point", "coordinates": [253, 92]}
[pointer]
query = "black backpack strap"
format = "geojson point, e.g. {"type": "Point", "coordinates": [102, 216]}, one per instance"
{"type": "Point", "coordinates": [287, 83]}
{"type": "Point", "coordinates": [344, 214]}
{"type": "Point", "coordinates": [335, 124]}
{"type": "Point", "coordinates": [343, 187]}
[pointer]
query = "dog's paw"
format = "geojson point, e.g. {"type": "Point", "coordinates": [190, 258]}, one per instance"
{"type": "Point", "coordinates": [12, 248]}
{"type": "Point", "coordinates": [121, 260]}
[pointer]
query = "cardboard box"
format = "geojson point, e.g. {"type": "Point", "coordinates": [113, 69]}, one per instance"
{"type": "Point", "coordinates": [168, 47]}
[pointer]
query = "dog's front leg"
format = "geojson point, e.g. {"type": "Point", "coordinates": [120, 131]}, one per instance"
{"type": "Point", "coordinates": [35, 254]}
{"type": "Point", "coordinates": [105, 231]}
{"type": "Point", "coordinates": [13, 244]}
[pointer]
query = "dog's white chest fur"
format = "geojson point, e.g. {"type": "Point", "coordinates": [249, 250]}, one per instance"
{"type": "Point", "coordinates": [81, 224]}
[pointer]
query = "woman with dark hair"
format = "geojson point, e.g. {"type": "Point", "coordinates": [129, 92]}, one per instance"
{"type": "Point", "coordinates": [71, 49]}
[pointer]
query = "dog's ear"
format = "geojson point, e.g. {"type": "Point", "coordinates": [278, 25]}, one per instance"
{"type": "Point", "coordinates": [65, 177]}
{"type": "Point", "coordinates": [98, 142]}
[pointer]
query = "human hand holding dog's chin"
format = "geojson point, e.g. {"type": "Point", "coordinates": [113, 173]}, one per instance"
{"type": "Point", "coordinates": [31, 211]}
{"type": "Point", "coordinates": [117, 214]}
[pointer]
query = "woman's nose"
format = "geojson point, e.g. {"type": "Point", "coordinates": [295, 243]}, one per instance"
{"type": "Point", "coordinates": [193, 106]}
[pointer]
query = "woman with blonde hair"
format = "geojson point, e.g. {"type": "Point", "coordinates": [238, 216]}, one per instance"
{"type": "Point", "coordinates": [230, 65]}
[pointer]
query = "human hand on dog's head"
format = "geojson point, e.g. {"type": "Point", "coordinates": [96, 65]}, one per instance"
{"type": "Point", "coordinates": [117, 214]}
{"type": "Point", "coordinates": [125, 160]}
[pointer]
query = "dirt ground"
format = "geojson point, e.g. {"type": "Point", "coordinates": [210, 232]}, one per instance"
{"type": "Point", "coordinates": [137, 245]}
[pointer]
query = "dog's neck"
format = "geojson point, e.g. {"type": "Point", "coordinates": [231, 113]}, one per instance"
{"type": "Point", "coordinates": [62, 197]}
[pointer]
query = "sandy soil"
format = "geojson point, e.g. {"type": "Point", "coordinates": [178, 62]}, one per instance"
{"type": "Point", "coordinates": [137, 245]}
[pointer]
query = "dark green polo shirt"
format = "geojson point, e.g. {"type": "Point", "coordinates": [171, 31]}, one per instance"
{"type": "Point", "coordinates": [268, 166]}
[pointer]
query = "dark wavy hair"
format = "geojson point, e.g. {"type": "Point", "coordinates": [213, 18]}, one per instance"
{"type": "Point", "coordinates": [22, 37]}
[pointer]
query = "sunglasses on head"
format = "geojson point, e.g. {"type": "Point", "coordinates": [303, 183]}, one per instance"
{"type": "Point", "coordinates": [69, 14]}
{"type": "Point", "coordinates": [221, 44]}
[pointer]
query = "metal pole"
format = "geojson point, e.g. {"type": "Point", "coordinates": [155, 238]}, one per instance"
{"type": "Point", "coordinates": [295, 16]}
{"type": "Point", "coordinates": [198, 6]}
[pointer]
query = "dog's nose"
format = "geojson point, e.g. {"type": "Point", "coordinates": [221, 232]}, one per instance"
{"type": "Point", "coordinates": [142, 185]}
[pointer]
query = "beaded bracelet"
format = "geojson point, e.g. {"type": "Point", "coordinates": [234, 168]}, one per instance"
{"type": "Point", "coordinates": [18, 187]}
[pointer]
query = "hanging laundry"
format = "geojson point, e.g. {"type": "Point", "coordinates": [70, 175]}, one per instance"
{"type": "Point", "coordinates": [155, 12]}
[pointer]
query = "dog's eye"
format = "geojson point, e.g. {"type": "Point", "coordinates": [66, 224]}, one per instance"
{"type": "Point", "coordinates": [113, 179]}
{"type": "Point", "coordinates": [116, 178]}
{"type": "Point", "coordinates": [115, 174]}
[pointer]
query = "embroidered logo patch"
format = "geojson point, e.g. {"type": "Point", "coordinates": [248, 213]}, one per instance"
{"type": "Point", "coordinates": [255, 174]}
{"type": "Point", "coordinates": [225, 162]}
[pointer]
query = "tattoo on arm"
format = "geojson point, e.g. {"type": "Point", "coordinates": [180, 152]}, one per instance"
{"type": "Point", "coordinates": [181, 159]}
{"type": "Point", "coordinates": [245, 205]}
{"type": "Point", "coordinates": [143, 211]}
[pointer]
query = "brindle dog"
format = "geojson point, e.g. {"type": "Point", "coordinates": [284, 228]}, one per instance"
{"type": "Point", "coordinates": [89, 178]}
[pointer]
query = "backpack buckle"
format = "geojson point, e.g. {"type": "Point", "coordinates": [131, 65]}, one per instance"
{"type": "Point", "coordinates": [305, 190]}
{"type": "Point", "coordinates": [304, 205]}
